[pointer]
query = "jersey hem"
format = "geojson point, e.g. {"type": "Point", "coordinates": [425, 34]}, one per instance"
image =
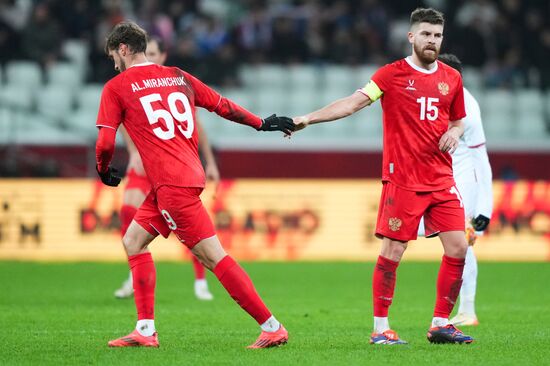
{"type": "Point", "coordinates": [106, 126]}
{"type": "Point", "coordinates": [422, 188]}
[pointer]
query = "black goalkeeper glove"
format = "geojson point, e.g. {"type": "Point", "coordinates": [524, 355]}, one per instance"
{"type": "Point", "coordinates": [109, 178]}
{"type": "Point", "coordinates": [274, 123]}
{"type": "Point", "coordinates": [480, 223]}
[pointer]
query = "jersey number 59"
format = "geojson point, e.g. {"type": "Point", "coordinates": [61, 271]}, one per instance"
{"type": "Point", "coordinates": [154, 115]}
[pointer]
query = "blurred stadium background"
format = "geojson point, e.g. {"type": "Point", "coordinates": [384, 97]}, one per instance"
{"type": "Point", "coordinates": [288, 57]}
{"type": "Point", "coordinates": [311, 198]}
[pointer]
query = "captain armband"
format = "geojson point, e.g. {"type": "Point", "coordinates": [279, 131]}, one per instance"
{"type": "Point", "coordinates": [372, 91]}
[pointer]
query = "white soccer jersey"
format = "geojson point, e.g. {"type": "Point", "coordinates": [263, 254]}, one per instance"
{"type": "Point", "coordinates": [471, 168]}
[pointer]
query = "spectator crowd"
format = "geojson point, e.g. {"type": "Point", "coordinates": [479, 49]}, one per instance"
{"type": "Point", "coordinates": [509, 40]}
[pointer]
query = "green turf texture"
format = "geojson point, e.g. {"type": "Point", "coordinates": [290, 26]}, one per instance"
{"type": "Point", "coordinates": [62, 313]}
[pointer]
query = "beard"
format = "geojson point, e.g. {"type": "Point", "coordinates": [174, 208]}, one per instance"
{"type": "Point", "coordinates": [122, 65]}
{"type": "Point", "coordinates": [424, 55]}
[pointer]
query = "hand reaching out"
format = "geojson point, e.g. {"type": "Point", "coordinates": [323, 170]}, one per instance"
{"type": "Point", "coordinates": [301, 122]}
{"type": "Point", "coordinates": [275, 123]}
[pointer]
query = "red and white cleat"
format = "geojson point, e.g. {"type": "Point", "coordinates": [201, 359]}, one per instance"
{"type": "Point", "coordinates": [135, 339]}
{"type": "Point", "coordinates": [271, 339]}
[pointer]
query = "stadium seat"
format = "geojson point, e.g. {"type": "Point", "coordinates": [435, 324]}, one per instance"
{"type": "Point", "coordinates": [89, 96]}
{"type": "Point", "coordinates": [304, 77]}
{"type": "Point", "coordinates": [24, 74]}
{"type": "Point", "coordinates": [66, 75]}
{"type": "Point", "coordinates": [341, 77]}
{"type": "Point", "coordinates": [473, 79]}
{"type": "Point", "coordinates": [55, 102]}
{"type": "Point", "coordinates": [301, 101]}
{"type": "Point", "coordinates": [16, 98]}
{"type": "Point", "coordinates": [328, 95]}
{"type": "Point", "coordinates": [271, 100]}
{"type": "Point", "coordinates": [82, 123]}
{"type": "Point", "coordinates": [364, 74]}
{"type": "Point", "coordinates": [77, 52]}
{"type": "Point", "coordinates": [241, 96]}
{"type": "Point", "coordinates": [38, 129]}
{"type": "Point", "coordinates": [249, 76]}
{"type": "Point", "coordinates": [273, 76]}
{"type": "Point", "coordinates": [6, 121]}
{"type": "Point", "coordinates": [530, 113]}
{"type": "Point", "coordinates": [368, 122]}
{"type": "Point", "coordinates": [498, 115]}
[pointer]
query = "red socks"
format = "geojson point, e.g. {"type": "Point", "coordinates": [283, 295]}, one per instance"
{"type": "Point", "coordinates": [198, 268]}
{"type": "Point", "coordinates": [449, 282]}
{"type": "Point", "coordinates": [144, 279]}
{"type": "Point", "coordinates": [127, 214]}
{"type": "Point", "coordinates": [383, 284]}
{"type": "Point", "coordinates": [240, 287]}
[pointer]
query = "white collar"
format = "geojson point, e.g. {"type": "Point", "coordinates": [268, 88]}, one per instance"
{"type": "Point", "coordinates": [420, 69]}
{"type": "Point", "coordinates": [147, 63]}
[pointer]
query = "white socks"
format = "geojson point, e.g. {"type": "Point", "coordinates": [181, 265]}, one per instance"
{"type": "Point", "coordinates": [271, 325]}
{"type": "Point", "coordinates": [381, 324]}
{"type": "Point", "coordinates": [468, 290]}
{"type": "Point", "coordinates": [439, 322]}
{"type": "Point", "coordinates": [146, 327]}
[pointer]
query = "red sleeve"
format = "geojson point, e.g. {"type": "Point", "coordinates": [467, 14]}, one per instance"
{"type": "Point", "coordinates": [458, 110]}
{"type": "Point", "coordinates": [383, 77]}
{"type": "Point", "coordinates": [211, 100]}
{"type": "Point", "coordinates": [105, 148]}
{"type": "Point", "coordinates": [110, 108]}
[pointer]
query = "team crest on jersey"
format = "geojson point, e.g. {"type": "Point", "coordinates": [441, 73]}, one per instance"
{"type": "Point", "coordinates": [443, 88]}
{"type": "Point", "coordinates": [411, 85]}
{"type": "Point", "coordinates": [394, 224]}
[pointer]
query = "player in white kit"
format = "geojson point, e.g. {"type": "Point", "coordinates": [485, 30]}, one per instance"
{"type": "Point", "coordinates": [473, 177]}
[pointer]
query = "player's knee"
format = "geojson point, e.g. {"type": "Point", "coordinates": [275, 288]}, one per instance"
{"type": "Point", "coordinates": [128, 243]}
{"type": "Point", "coordinates": [209, 252]}
{"type": "Point", "coordinates": [457, 249]}
{"type": "Point", "coordinates": [204, 259]}
{"type": "Point", "coordinates": [133, 244]}
{"type": "Point", "coordinates": [393, 250]}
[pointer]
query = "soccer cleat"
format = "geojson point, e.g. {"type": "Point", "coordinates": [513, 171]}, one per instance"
{"type": "Point", "coordinates": [464, 319]}
{"type": "Point", "coordinates": [448, 334]}
{"type": "Point", "coordinates": [126, 290]}
{"type": "Point", "coordinates": [271, 339]}
{"type": "Point", "coordinates": [387, 337]}
{"type": "Point", "coordinates": [135, 339]}
{"type": "Point", "coordinates": [201, 290]}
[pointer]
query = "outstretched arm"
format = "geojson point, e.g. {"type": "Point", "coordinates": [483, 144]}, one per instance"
{"type": "Point", "coordinates": [209, 99]}
{"type": "Point", "coordinates": [339, 109]}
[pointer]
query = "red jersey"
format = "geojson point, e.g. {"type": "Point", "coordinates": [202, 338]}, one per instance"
{"type": "Point", "coordinates": [417, 106]}
{"type": "Point", "coordinates": [156, 105]}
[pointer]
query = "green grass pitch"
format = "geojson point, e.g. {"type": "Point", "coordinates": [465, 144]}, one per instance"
{"type": "Point", "coordinates": [53, 313]}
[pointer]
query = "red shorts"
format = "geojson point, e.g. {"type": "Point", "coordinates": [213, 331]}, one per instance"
{"type": "Point", "coordinates": [136, 181]}
{"type": "Point", "coordinates": [400, 212]}
{"type": "Point", "coordinates": [177, 209]}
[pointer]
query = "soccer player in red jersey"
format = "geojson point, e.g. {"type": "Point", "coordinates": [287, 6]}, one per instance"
{"type": "Point", "coordinates": [423, 106]}
{"type": "Point", "coordinates": [156, 106]}
{"type": "Point", "coordinates": [138, 186]}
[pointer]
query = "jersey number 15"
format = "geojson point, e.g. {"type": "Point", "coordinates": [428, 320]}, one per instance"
{"type": "Point", "coordinates": [154, 115]}
{"type": "Point", "coordinates": [428, 109]}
